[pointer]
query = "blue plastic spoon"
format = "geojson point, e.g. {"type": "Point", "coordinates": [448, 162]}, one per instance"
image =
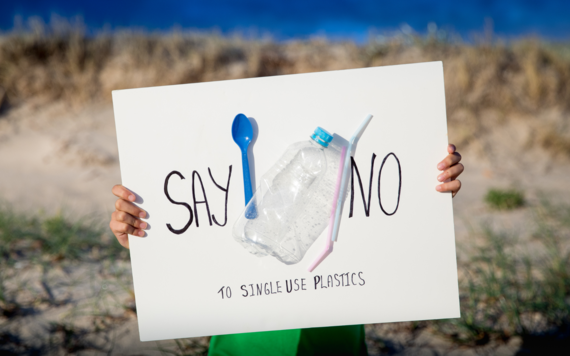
{"type": "Point", "coordinates": [242, 133]}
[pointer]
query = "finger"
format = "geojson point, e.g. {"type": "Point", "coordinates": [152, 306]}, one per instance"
{"type": "Point", "coordinates": [121, 192]}
{"type": "Point", "coordinates": [452, 186]}
{"type": "Point", "coordinates": [451, 148]}
{"type": "Point", "coordinates": [121, 216]}
{"type": "Point", "coordinates": [451, 173]}
{"type": "Point", "coordinates": [123, 239]}
{"type": "Point", "coordinates": [128, 207]}
{"type": "Point", "coordinates": [454, 192]}
{"type": "Point", "coordinates": [123, 228]}
{"type": "Point", "coordinates": [450, 160]}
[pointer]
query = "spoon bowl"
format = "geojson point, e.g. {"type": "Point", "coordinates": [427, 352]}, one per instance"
{"type": "Point", "coordinates": [242, 133]}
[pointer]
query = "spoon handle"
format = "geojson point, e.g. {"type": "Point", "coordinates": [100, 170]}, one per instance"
{"type": "Point", "coordinates": [246, 177]}
{"type": "Point", "coordinates": [251, 212]}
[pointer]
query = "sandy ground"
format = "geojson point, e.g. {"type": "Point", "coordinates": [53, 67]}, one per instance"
{"type": "Point", "coordinates": [58, 157]}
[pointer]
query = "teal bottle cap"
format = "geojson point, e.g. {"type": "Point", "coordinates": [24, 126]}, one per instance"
{"type": "Point", "coordinates": [322, 137]}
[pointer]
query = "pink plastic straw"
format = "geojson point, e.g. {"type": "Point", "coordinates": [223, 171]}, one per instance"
{"type": "Point", "coordinates": [328, 241]}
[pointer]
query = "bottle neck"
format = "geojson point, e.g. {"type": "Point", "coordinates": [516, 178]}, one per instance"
{"type": "Point", "coordinates": [316, 144]}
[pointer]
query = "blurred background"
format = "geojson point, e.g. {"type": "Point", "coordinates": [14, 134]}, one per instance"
{"type": "Point", "coordinates": [66, 284]}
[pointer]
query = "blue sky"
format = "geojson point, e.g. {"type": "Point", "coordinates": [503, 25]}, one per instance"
{"type": "Point", "coordinates": [302, 18]}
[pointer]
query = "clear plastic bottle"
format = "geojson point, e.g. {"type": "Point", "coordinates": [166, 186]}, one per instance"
{"type": "Point", "coordinates": [293, 201]}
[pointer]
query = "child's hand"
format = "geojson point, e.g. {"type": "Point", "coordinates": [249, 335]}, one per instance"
{"type": "Point", "coordinates": [451, 170]}
{"type": "Point", "coordinates": [125, 220]}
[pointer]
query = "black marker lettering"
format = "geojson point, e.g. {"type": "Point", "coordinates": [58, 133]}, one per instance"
{"type": "Point", "coordinates": [243, 289]}
{"type": "Point", "coordinates": [366, 204]}
{"type": "Point", "coordinates": [227, 190]}
{"type": "Point", "coordinates": [205, 201]}
{"type": "Point", "coordinates": [181, 231]}
{"type": "Point", "coordinates": [362, 279]}
{"type": "Point", "coordinates": [278, 287]}
{"type": "Point", "coordinates": [336, 278]}
{"type": "Point", "coordinates": [399, 183]}
{"type": "Point", "coordinates": [303, 284]}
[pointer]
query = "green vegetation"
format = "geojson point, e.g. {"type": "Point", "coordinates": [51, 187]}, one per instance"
{"type": "Point", "coordinates": [505, 199]}
{"type": "Point", "coordinates": [506, 289]}
{"type": "Point", "coordinates": [509, 291]}
{"type": "Point", "coordinates": [53, 238]}
{"type": "Point", "coordinates": [44, 261]}
{"type": "Point", "coordinates": [47, 241]}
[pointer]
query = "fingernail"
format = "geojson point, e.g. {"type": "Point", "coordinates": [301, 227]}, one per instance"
{"type": "Point", "coordinates": [438, 188]}
{"type": "Point", "coordinates": [441, 177]}
{"type": "Point", "coordinates": [141, 233]}
{"type": "Point", "coordinates": [144, 225]}
{"type": "Point", "coordinates": [132, 197]}
{"type": "Point", "coordinates": [142, 214]}
{"type": "Point", "coordinates": [441, 166]}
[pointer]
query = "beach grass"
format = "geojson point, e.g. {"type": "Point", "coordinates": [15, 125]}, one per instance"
{"type": "Point", "coordinates": [490, 82]}
{"type": "Point", "coordinates": [511, 289]}
{"type": "Point", "coordinates": [506, 289]}
{"type": "Point", "coordinates": [53, 238]}
{"type": "Point", "coordinates": [505, 199]}
{"type": "Point", "coordinates": [46, 242]}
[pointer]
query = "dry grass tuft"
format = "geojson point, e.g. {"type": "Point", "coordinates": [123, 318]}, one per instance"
{"type": "Point", "coordinates": [487, 84]}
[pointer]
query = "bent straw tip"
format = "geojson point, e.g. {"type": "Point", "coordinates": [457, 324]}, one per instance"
{"type": "Point", "coordinates": [319, 259]}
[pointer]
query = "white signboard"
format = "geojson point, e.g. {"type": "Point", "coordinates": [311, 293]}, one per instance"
{"type": "Point", "coordinates": [177, 154]}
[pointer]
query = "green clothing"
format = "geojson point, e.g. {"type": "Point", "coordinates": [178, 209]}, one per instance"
{"type": "Point", "coordinates": [336, 340]}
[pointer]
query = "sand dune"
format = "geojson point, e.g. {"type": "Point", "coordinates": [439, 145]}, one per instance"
{"type": "Point", "coordinates": [508, 112]}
